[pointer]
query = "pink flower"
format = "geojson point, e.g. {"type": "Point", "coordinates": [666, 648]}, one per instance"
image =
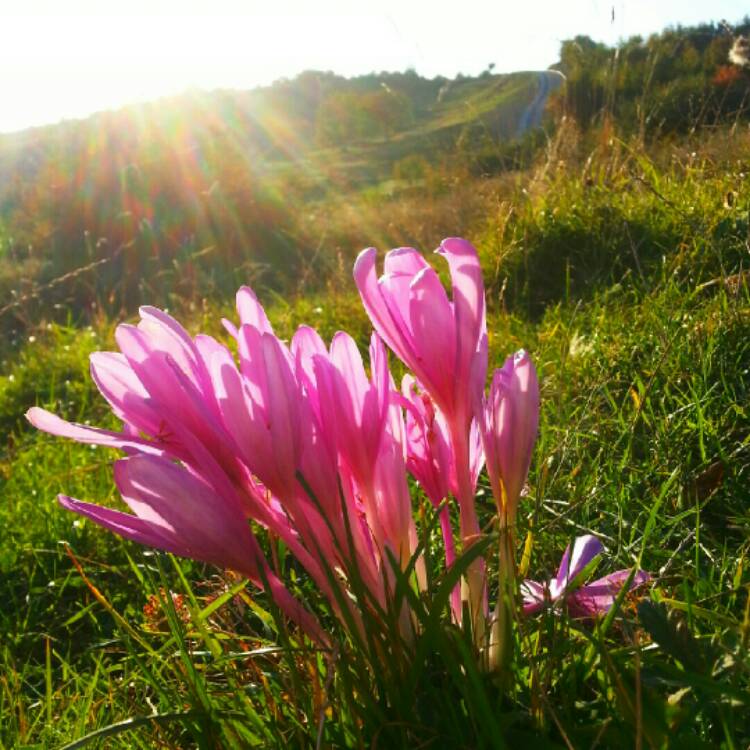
{"type": "Point", "coordinates": [190, 421]}
{"type": "Point", "coordinates": [444, 342]}
{"type": "Point", "coordinates": [428, 452]}
{"type": "Point", "coordinates": [360, 419]}
{"type": "Point", "coordinates": [273, 439]}
{"type": "Point", "coordinates": [440, 340]}
{"type": "Point", "coordinates": [509, 422]}
{"type": "Point", "coordinates": [585, 601]}
{"type": "Point", "coordinates": [311, 446]}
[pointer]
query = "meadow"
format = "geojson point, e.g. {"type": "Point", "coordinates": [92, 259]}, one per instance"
{"type": "Point", "coordinates": [620, 264]}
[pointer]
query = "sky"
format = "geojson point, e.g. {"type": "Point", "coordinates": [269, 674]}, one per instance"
{"type": "Point", "coordinates": [62, 60]}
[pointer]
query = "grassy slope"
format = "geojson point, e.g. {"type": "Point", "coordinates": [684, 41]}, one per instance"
{"type": "Point", "coordinates": [621, 278]}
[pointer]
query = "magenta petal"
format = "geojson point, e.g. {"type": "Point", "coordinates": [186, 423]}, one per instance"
{"type": "Point", "coordinates": [125, 525]}
{"type": "Point", "coordinates": [597, 598]}
{"type": "Point", "coordinates": [51, 423]}
{"type": "Point", "coordinates": [535, 596]}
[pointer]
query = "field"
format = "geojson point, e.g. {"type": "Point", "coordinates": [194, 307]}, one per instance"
{"type": "Point", "coordinates": [620, 265]}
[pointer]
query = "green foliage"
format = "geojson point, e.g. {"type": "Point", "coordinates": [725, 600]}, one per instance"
{"type": "Point", "coordinates": [672, 82]}
{"type": "Point", "coordinates": [345, 117]}
{"type": "Point", "coordinates": [624, 217]}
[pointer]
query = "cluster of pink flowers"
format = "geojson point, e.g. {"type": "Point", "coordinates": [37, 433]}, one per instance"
{"type": "Point", "coordinates": [311, 446]}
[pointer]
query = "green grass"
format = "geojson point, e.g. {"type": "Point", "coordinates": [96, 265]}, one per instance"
{"type": "Point", "coordinates": [624, 278]}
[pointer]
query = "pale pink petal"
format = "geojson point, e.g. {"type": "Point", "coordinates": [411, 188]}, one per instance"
{"type": "Point", "coordinates": [404, 261]}
{"type": "Point", "coordinates": [229, 327]}
{"type": "Point", "coordinates": [366, 279]}
{"type": "Point", "coordinates": [48, 422]}
{"type": "Point", "coordinates": [251, 312]}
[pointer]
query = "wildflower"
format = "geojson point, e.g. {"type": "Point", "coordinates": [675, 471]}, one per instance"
{"type": "Point", "coordinates": [430, 461]}
{"type": "Point", "coordinates": [444, 343]}
{"type": "Point", "coordinates": [509, 423]}
{"type": "Point", "coordinates": [509, 419]}
{"type": "Point", "coordinates": [212, 443]}
{"type": "Point", "coordinates": [585, 601]}
{"type": "Point", "coordinates": [302, 441]}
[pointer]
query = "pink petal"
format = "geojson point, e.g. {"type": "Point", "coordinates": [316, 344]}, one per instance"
{"type": "Point", "coordinates": [404, 261]}
{"type": "Point", "coordinates": [230, 328]}
{"type": "Point", "coordinates": [468, 304]}
{"type": "Point", "coordinates": [535, 596]}
{"type": "Point", "coordinates": [51, 423]}
{"type": "Point", "coordinates": [366, 279]}
{"type": "Point", "coordinates": [248, 421]}
{"type": "Point", "coordinates": [166, 335]}
{"type": "Point", "coordinates": [598, 597]}
{"type": "Point", "coordinates": [434, 335]}
{"type": "Point", "coordinates": [348, 361]}
{"type": "Point", "coordinates": [509, 427]}
{"type": "Point", "coordinates": [307, 344]}
{"type": "Point", "coordinates": [118, 383]}
{"type": "Point", "coordinates": [183, 507]}
{"type": "Point", "coordinates": [126, 525]}
{"type": "Point", "coordinates": [251, 312]}
{"type": "Point", "coordinates": [284, 410]}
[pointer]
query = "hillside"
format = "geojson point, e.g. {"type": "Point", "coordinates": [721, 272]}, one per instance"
{"type": "Point", "coordinates": [210, 184]}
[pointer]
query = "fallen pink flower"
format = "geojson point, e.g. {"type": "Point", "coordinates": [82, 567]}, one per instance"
{"type": "Point", "coordinates": [584, 601]}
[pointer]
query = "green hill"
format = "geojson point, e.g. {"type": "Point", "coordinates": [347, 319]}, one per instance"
{"type": "Point", "coordinates": [214, 182]}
